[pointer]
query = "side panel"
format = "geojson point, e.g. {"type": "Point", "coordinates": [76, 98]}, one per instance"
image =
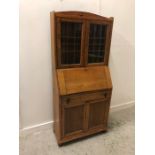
{"type": "Point", "coordinates": [56, 99]}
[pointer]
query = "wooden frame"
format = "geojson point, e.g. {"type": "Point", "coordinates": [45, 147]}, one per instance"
{"type": "Point", "coordinates": [69, 94]}
{"type": "Point", "coordinates": [58, 24]}
{"type": "Point", "coordinates": [107, 42]}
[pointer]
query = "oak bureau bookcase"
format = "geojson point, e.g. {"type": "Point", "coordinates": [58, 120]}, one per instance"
{"type": "Point", "coordinates": [82, 84]}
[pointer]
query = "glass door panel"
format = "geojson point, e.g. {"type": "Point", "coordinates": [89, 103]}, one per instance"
{"type": "Point", "coordinates": [97, 39]}
{"type": "Point", "coordinates": [70, 42]}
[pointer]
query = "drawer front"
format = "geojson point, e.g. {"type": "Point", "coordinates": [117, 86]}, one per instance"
{"type": "Point", "coordinates": [71, 100]}
{"type": "Point", "coordinates": [77, 99]}
{"type": "Point", "coordinates": [101, 95]}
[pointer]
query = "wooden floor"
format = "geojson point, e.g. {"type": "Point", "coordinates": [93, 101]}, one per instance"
{"type": "Point", "coordinates": [119, 140]}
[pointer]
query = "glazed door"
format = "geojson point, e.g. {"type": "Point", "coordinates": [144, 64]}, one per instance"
{"type": "Point", "coordinates": [97, 42]}
{"type": "Point", "coordinates": [70, 36]}
{"type": "Point", "coordinates": [98, 112]}
{"type": "Point", "coordinates": [73, 118]}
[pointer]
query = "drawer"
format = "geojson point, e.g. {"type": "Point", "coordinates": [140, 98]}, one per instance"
{"type": "Point", "coordinates": [100, 95]}
{"type": "Point", "coordinates": [81, 98]}
{"type": "Point", "coordinates": [71, 100]}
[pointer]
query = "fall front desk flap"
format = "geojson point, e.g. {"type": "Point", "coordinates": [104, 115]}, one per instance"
{"type": "Point", "coordinates": [83, 79]}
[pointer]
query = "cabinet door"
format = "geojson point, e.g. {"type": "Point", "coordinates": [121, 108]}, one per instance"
{"type": "Point", "coordinates": [98, 112]}
{"type": "Point", "coordinates": [98, 38]}
{"type": "Point", "coordinates": [73, 118]}
{"type": "Point", "coordinates": [69, 42]}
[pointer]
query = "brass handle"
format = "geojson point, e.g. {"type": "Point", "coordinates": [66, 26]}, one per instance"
{"type": "Point", "coordinates": [105, 95]}
{"type": "Point", "coordinates": [67, 100]}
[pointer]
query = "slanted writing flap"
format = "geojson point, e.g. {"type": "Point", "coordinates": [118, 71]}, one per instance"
{"type": "Point", "coordinates": [76, 80]}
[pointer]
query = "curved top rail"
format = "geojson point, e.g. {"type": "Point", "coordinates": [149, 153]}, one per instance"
{"type": "Point", "coordinates": [82, 15]}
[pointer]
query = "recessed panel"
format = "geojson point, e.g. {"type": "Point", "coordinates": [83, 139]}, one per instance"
{"type": "Point", "coordinates": [73, 119]}
{"type": "Point", "coordinates": [97, 114]}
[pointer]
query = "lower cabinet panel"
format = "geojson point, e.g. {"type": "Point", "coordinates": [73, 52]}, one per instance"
{"type": "Point", "coordinates": [81, 118]}
{"type": "Point", "coordinates": [97, 113]}
{"type": "Point", "coordinates": [73, 119]}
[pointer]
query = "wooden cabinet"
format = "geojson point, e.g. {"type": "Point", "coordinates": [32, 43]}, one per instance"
{"type": "Point", "coordinates": [82, 84]}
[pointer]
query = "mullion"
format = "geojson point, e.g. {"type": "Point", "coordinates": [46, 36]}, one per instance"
{"type": "Point", "coordinates": [74, 47]}
{"type": "Point", "coordinates": [67, 45]}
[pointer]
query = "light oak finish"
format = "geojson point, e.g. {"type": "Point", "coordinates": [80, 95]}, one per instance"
{"type": "Point", "coordinates": [83, 79]}
{"type": "Point", "coordinates": [82, 85]}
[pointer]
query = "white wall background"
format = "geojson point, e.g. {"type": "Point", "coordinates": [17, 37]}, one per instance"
{"type": "Point", "coordinates": [35, 53]}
